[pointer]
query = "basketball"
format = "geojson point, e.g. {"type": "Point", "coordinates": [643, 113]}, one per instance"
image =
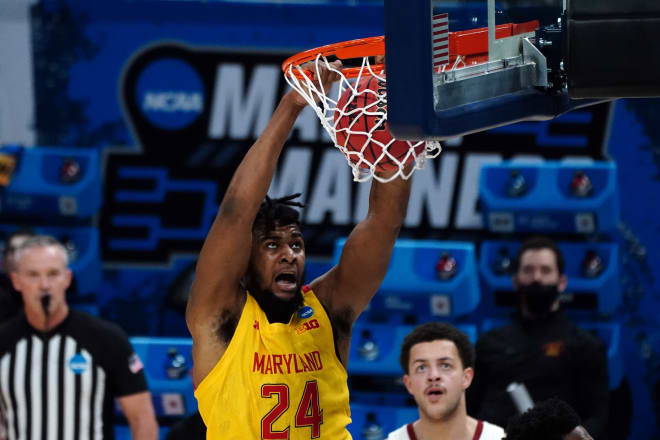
{"type": "Point", "coordinates": [363, 113]}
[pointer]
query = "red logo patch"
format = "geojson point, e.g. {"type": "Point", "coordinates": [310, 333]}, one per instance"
{"type": "Point", "coordinates": [308, 325]}
{"type": "Point", "coordinates": [553, 349]}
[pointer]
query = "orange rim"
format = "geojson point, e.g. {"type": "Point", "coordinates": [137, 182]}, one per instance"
{"type": "Point", "coordinates": [362, 47]}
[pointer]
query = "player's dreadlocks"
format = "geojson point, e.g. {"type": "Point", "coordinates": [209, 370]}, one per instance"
{"type": "Point", "coordinates": [277, 212]}
{"type": "Point", "coordinates": [551, 419]}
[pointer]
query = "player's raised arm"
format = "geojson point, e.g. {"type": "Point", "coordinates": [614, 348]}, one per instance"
{"type": "Point", "coordinates": [216, 298]}
{"type": "Point", "coordinates": [348, 287]}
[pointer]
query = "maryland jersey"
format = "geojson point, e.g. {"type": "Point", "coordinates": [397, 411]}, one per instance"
{"type": "Point", "coordinates": [278, 381]}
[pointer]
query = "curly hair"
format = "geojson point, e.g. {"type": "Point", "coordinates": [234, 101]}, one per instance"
{"type": "Point", "coordinates": [433, 331]}
{"type": "Point", "coordinates": [277, 212]}
{"type": "Point", "coordinates": [551, 419]}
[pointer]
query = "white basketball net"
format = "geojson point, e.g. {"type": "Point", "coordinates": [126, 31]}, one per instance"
{"type": "Point", "coordinates": [361, 158]}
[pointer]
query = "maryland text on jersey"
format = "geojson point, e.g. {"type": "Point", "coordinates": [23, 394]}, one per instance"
{"type": "Point", "coordinates": [289, 363]}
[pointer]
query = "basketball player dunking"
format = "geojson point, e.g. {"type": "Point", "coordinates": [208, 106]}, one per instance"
{"type": "Point", "coordinates": [270, 354]}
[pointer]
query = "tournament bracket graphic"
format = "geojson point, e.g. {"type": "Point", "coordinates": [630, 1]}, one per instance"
{"type": "Point", "coordinates": [195, 111]}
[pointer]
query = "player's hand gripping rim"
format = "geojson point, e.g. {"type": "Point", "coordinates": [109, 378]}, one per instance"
{"type": "Point", "coordinates": [322, 77]}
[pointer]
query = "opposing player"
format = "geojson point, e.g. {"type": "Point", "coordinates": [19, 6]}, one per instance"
{"type": "Point", "coordinates": [270, 354]}
{"type": "Point", "coordinates": [438, 362]}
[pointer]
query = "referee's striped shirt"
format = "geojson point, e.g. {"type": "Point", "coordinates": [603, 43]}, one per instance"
{"type": "Point", "coordinates": [62, 384]}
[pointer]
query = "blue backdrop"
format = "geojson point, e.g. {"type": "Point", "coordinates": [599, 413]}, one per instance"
{"type": "Point", "coordinates": [172, 93]}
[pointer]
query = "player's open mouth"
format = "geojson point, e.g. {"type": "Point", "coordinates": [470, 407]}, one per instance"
{"type": "Point", "coordinates": [434, 393]}
{"type": "Point", "coordinates": [286, 281]}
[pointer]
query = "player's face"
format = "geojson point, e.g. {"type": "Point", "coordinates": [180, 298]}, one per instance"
{"type": "Point", "coordinates": [278, 258]}
{"type": "Point", "coordinates": [42, 270]}
{"type": "Point", "coordinates": [437, 379]}
{"type": "Point", "coordinates": [539, 265]}
{"type": "Point", "coordinates": [579, 433]}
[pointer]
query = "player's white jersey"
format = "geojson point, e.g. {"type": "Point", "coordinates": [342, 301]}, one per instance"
{"type": "Point", "coordinates": [484, 431]}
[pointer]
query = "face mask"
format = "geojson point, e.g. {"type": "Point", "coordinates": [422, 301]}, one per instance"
{"type": "Point", "coordinates": [539, 297]}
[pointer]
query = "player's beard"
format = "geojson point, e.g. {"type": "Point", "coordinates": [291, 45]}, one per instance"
{"type": "Point", "coordinates": [275, 308]}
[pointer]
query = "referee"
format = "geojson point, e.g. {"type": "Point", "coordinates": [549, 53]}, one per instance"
{"type": "Point", "coordinates": [61, 370]}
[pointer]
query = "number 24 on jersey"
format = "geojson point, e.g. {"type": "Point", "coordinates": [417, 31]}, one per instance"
{"type": "Point", "coordinates": [308, 413]}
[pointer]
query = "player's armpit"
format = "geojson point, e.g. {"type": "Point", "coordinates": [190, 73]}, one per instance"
{"type": "Point", "coordinates": [212, 330]}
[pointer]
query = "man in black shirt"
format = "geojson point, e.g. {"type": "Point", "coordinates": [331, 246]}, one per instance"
{"type": "Point", "coordinates": [541, 349]}
{"type": "Point", "coordinates": [60, 370]}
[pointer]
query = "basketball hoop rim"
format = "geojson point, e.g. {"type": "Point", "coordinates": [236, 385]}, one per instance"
{"type": "Point", "coordinates": [358, 48]}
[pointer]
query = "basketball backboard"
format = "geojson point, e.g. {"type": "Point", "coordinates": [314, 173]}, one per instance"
{"type": "Point", "coordinates": [506, 64]}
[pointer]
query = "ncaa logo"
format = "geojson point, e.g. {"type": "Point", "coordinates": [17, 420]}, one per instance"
{"type": "Point", "coordinates": [305, 312]}
{"type": "Point", "coordinates": [78, 363]}
{"type": "Point", "coordinates": [170, 94]}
